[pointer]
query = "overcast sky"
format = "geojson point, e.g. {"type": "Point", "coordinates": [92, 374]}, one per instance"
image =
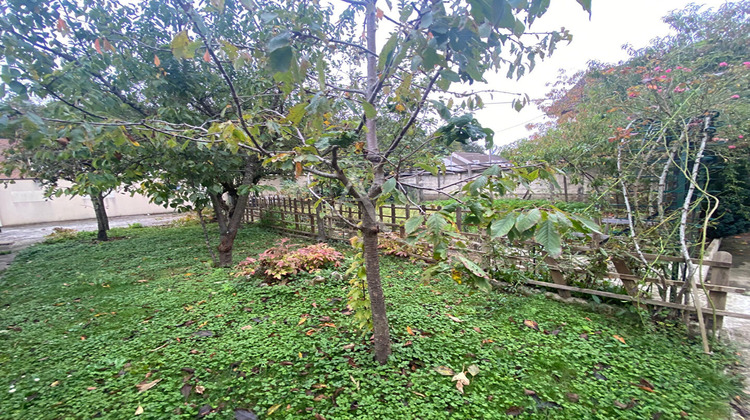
{"type": "Point", "coordinates": [613, 23]}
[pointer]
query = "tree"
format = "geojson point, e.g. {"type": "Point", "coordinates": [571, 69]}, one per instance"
{"type": "Point", "coordinates": [93, 160]}
{"type": "Point", "coordinates": [141, 73]}
{"type": "Point", "coordinates": [430, 46]}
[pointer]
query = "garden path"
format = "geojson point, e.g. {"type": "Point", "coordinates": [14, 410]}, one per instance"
{"type": "Point", "coordinates": [16, 238]}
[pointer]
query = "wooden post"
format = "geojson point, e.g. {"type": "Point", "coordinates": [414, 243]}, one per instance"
{"type": "Point", "coordinates": [296, 215]}
{"type": "Point", "coordinates": [622, 268]}
{"type": "Point", "coordinates": [557, 276]}
{"type": "Point", "coordinates": [720, 277]}
{"type": "Point", "coordinates": [459, 219]}
{"type": "Point", "coordinates": [393, 213]}
{"type": "Point", "coordinates": [321, 223]}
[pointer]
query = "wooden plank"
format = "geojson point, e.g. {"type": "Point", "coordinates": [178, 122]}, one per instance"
{"type": "Point", "coordinates": [622, 268]}
{"type": "Point", "coordinates": [557, 275]}
{"type": "Point", "coordinates": [720, 277]}
{"type": "Point", "coordinates": [631, 299]}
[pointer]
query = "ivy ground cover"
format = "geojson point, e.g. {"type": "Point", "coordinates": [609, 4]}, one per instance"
{"type": "Point", "coordinates": [144, 326]}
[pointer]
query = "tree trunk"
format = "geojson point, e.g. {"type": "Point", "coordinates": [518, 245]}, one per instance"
{"type": "Point", "coordinates": [230, 215]}
{"type": "Point", "coordinates": [380, 325]}
{"type": "Point", "coordinates": [102, 221]}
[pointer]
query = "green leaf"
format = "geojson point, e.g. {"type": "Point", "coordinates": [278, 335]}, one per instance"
{"type": "Point", "coordinates": [588, 223]}
{"type": "Point", "coordinates": [526, 221]}
{"type": "Point", "coordinates": [502, 226]}
{"type": "Point", "coordinates": [218, 5]}
{"type": "Point", "coordinates": [413, 223]}
{"type": "Point", "coordinates": [280, 60]}
{"type": "Point", "coordinates": [548, 237]}
{"type": "Point", "coordinates": [389, 185]}
{"type": "Point", "coordinates": [296, 113]}
{"type": "Point", "coordinates": [387, 51]}
{"type": "Point", "coordinates": [586, 4]}
{"type": "Point", "coordinates": [279, 41]}
{"type": "Point", "coordinates": [472, 267]}
{"type": "Point", "coordinates": [181, 46]}
{"type": "Point", "coordinates": [320, 67]}
{"type": "Point", "coordinates": [370, 112]}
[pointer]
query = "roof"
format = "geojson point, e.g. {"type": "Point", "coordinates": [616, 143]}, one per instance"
{"type": "Point", "coordinates": [473, 162]}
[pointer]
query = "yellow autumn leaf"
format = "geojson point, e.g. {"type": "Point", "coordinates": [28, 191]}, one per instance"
{"type": "Point", "coordinates": [409, 331]}
{"type": "Point", "coordinates": [620, 339]}
{"type": "Point", "coordinates": [273, 409]}
{"type": "Point", "coordinates": [400, 108]}
{"type": "Point", "coordinates": [157, 62]}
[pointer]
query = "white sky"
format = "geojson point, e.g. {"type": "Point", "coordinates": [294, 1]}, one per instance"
{"type": "Point", "coordinates": [613, 23]}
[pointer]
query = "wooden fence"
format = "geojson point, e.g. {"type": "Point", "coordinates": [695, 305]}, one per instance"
{"type": "Point", "coordinates": [301, 217]}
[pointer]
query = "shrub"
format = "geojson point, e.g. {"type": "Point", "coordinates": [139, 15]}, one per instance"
{"type": "Point", "coordinates": [392, 244]}
{"type": "Point", "coordinates": [60, 234]}
{"type": "Point", "coordinates": [280, 263]}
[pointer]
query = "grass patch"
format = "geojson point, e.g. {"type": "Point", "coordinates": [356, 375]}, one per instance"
{"type": "Point", "coordinates": [83, 323]}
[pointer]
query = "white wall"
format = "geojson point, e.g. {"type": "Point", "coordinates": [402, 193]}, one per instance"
{"type": "Point", "coordinates": [23, 203]}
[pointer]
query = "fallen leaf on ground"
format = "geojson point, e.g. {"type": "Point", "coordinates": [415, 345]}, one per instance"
{"type": "Point", "coordinates": [572, 397]}
{"type": "Point", "coordinates": [618, 338]}
{"type": "Point", "coordinates": [54, 384]}
{"type": "Point", "coordinates": [453, 318]}
{"type": "Point", "coordinates": [473, 370]}
{"type": "Point", "coordinates": [529, 392]}
{"type": "Point", "coordinates": [200, 389]}
{"type": "Point", "coordinates": [348, 346]}
{"type": "Point", "coordinates": [247, 327]}
{"type": "Point", "coordinates": [145, 385]}
{"type": "Point", "coordinates": [139, 411]}
{"type": "Point", "coordinates": [273, 409]}
{"type": "Point", "coordinates": [91, 388]}
{"type": "Point", "coordinates": [409, 331]}
{"type": "Point", "coordinates": [461, 380]}
{"type": "Point", "coordinates": [205, 410]}
{"type": "Point", "coordinates": [531, 324]}
{"type": "Point", "coordinates": [444, 370]}
{"type": "Point", "coordinates": [514, 410]}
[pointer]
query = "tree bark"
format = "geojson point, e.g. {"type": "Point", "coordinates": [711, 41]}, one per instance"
{"type": "Point", "coordinates": [381, 329]}
{"type": "Point", "coordinates": [230, 215]}
{"type": "Point", "coordinates": [102, 221]}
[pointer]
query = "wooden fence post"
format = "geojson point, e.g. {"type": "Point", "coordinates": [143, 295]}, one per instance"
{"type": "Point", "coordinates": [719, 277]}
{"type": "Point", "coordinates": [459, 219]}
{"type": "Point", "coordinates": [321, 223]}
{"type": "Point", "coordinates": [557, 276]}
{"type": "Point", "coordinates": [622, 268]}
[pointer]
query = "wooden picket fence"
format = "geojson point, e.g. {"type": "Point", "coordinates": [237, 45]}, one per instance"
{"type": "Point", "coordinates": [301, 217]}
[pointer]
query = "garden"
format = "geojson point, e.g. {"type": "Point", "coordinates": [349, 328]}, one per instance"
{"type": "Point", "coordinates": [141, 326]}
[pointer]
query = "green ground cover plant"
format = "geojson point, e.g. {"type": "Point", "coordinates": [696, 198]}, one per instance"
{"type": "Point", "coordinates": [145, 325]}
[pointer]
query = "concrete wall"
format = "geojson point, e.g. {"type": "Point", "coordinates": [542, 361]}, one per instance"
{"type": "Point", "coordinates": [23, 203]}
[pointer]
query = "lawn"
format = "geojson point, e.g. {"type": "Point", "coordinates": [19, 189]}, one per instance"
{"type": "Point", "coordinates": [143, 324]}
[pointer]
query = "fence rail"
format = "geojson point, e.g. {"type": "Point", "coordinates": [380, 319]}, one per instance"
{"type": "Point", "coordinates": [302, 217]}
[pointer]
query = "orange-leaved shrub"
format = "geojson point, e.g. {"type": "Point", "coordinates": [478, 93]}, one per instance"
{"type": "Point", "coordinates": [280, 263]}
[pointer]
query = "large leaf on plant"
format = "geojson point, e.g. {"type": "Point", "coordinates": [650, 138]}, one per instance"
{"type": "Point", "coordinates": [526, 221]}
{"type": "Point", "coordinates": [181, 46]}
{"type": "Point", "coordinates": [280, 59]}
{"type": "Point", "coordinates": [548, 236]}
{"type": "Point", "coordinates": [501, 227]}
{"type": "Point", "coordinates": [472, 267]}
{"type": "Point", "coordinates": [413, 223]}
{"type": "Point", "coordinates": [588, 223]}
